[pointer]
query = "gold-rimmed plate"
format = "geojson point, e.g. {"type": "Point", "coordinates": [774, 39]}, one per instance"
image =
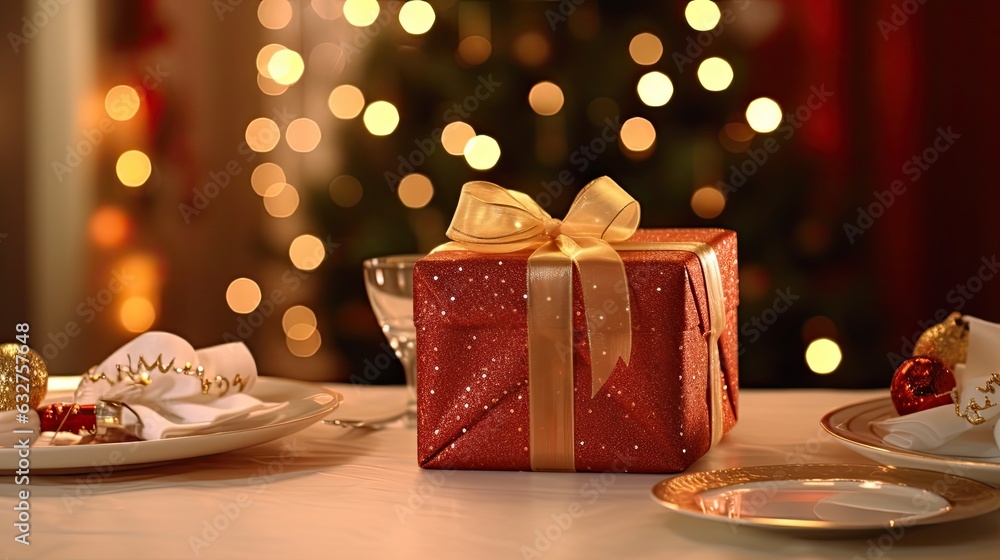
{"type": "Point", "coordinates": [823, 497]}
{"type": "Point", "coordinates": [852, 426]}
{"type": "Point", "coordinates": [304, 404]}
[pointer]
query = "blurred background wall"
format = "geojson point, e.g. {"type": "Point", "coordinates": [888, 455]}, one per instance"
{"type": "Point", "coordinates": [220, 169]}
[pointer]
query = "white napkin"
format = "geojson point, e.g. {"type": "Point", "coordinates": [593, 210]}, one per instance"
{"type": "Point", "coordinates": [173, 402]}
{"type": "Point", "coordinates": [940, 430]}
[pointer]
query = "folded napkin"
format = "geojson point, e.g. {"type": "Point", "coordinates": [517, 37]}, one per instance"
{"type": "Point", "coordinates": [944, 430]}
{"type": "Point", "coordinates": [159, 386]}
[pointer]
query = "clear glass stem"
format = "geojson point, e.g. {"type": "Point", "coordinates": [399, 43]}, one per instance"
{"type": "Point", "coordinates": [406, 350]}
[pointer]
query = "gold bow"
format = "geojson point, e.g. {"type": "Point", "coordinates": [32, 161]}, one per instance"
{"type": "Point", "coordinates": [492, 219]}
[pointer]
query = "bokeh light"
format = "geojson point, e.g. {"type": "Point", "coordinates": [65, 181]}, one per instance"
{"type": "Point", "coordinates": [346, 101]}
{"type": "Point", "coordinates": [735, 137]}
{"type": "Point", "coordinates": [482, 152]}
{"type": "Point", "coordinates": [739, 132]}
{"type": "Point", "coordinates": [243, 295]}
{"type": "Point", "coordinates": [145, 272]}
{"type": "Point", "coordinates": [298, 322]}
{"type": "Point", "coordinates": [109, 227]}
{"type": "Point", "coordinates": [655, 89]}
{"type": "Point", "coordinates": [545, 98]}
{"type": "Point", "coordinates": [823, 356]}
{"type": "Point", "coordinates": [281, 200]}
{"type": "Point", "coordinates": [262, 135]}
{"type": "Point", "coordinates": [302, 135]}
{"type": "Point", "coordinates": [415, 190]}
{"type": "Point", "coordinates": [137, 314]}
{"type": "Point", "coordinates": [763, 114]}
{"type": "Point", "coordinates": [361, 13]}
{"type": "Point", "coordinates": [133, 168]}
{"type": "Point", "coordinates": [326, 59]}
{"type": "Point", "coordinates": [274, 14]}
{"type": "Point", "coordinates": [708, 202]}
{"type": "Point", "coordinates": [305, 348]}
{"type": "Point", "coordinates": [474, 50]}
{"type": "Point", "coordinates": [328, 9]}
{"type": "Point", "coordinates": [702, 15]}
{"type": "Point", "coordinates": [638, 134]}
{"type": "Point", "coordinates": [306, 252]}
{"type": "Point", "coordinates": [346, 191]}
{"type": "Point", "coordinates": [455, 136]}
{"type": "Point", "coordinates": [269, 86]}
{"type": "Point", "coordinates": [286, 67]}
{"type": "Point", "coordinates": [121, 103]}
{"type": "Point", "coordinates": [264, 57]}
{"type": "Point", "coordinates": [532, 48]}
{"type": "Point", "coordinates": [416, 17]}
{"type": "Point", "coordinates": [645, 49]}
{"type": "Point", "coordinates": [715, 74]}
{"type": "Point", "coordinates": [381, 118]}
{"type": "Point", "coordinates": [264, 176]}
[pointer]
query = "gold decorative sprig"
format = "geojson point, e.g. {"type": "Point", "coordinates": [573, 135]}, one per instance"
{"type": "Point", "coordinates": [973, 409]}
{"type": "Point", "coordinates": [140, 374]}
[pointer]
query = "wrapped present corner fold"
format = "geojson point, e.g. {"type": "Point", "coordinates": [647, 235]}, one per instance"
{"type": "Point", "coordinates": [600, 223]}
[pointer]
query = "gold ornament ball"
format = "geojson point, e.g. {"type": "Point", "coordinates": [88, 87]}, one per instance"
{"type": "Point", "coordinates": [947, 341]}
{"type": "Point", "coordinates": [37, 374]}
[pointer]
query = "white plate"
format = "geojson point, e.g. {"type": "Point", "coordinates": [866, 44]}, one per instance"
{"type": "Point", "coordinates": [821, 498]}
{"type": "Point", "coordinates": [307, 404]}
{"type": "Point", "coordinates": [852, 426]}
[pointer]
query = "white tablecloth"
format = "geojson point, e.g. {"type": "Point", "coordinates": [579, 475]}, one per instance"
{"type": "Point", "coordinates": [327, 492]}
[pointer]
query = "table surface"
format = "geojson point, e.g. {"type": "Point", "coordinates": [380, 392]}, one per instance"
{"type": "Point", "coordinates": [339, 493]}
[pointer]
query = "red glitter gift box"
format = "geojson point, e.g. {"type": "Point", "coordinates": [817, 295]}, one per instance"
{"type": "Point", "coordinates": [653, 415]}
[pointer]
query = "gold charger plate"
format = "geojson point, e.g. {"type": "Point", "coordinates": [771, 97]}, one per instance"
{"type": "Point", "coordinates": [852, 426]}
{"type": "Point", "coordinates": [824, 497]}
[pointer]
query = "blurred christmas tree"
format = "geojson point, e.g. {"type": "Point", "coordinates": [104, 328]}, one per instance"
{"type": "Point", "coordinates": [571, 91]}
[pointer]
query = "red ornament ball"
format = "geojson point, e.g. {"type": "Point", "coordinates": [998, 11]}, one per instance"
{"type": "Point", "coordinates": [921, 383]}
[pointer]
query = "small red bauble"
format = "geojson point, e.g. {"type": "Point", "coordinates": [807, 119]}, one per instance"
{"type": "Point", "coordinates": [921, 383]}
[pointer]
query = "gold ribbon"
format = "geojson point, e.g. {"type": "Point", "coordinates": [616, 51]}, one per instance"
{"type": "Point", "coordinates": [491, 219]}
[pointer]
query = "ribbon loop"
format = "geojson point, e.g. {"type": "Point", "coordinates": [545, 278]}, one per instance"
{"type": "Point", "coordinates": [602, 209]}
{"type": "Point", "coordinates": [492, 219]}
